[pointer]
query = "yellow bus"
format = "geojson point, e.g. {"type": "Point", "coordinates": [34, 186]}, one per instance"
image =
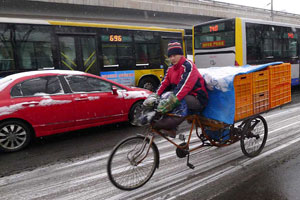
{"type": "Point", "coordinates": [241, 41]}
{"type": "Point", "coordinates": [130, 55]}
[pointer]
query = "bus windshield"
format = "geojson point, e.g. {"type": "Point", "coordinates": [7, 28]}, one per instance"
{"type": "Point", "coordinates": [215, 35]}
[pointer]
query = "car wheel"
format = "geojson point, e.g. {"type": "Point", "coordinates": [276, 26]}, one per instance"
{"type": "Point", "coordinates": [148, 83]}
{"type": "Point", "coordinates": [14, 135]}
{"type": "Point", "coordinates": [136, 108]}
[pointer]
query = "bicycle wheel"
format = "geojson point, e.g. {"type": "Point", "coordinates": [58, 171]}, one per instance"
{"type": "Point", "coordinates": [254, 136]}
{"type": "Point", "coordinates": [131, 165]}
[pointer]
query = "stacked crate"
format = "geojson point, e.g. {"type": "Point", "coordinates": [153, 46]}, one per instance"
{"type": "Point", "coordinates": [243, 96]}
{"type": "Point", "coordinates": [280, 84]}
{"type": "Point", "coordinates": [260, 91]}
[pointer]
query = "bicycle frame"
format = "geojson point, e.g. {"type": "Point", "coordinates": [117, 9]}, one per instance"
{"type": "Point", "coordinates": [213, 133]}
{"type": "Point", "coordinates": [196, 122]}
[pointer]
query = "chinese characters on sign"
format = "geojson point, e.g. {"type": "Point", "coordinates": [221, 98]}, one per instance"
{"type": "Point", "coordinates": [123, 77]}
{"type": "Point", "coordinates": [220, 43]}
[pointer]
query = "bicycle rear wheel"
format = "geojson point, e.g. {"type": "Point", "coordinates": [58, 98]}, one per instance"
{"type": "Point", "coordinates": [254, 136]}
{"type": "Point", "coordinates": [131, 165]}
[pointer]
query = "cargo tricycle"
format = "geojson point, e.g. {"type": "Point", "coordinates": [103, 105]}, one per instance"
{"type": "Point", "coordinates": [134, 160]}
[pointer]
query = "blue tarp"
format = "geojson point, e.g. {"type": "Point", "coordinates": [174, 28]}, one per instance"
{"type": "Point", "coordinates": [219, 80]}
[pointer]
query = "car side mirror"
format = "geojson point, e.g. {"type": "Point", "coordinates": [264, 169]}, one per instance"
{"type": "Point", "coordinates": [114, 90]}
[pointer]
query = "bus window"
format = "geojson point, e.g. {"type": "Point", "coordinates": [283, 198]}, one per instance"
{"type": "Point", "coordinates": [141, 54]}
{"type": "Point", "coordinates": [147, 47]}
{"type": "Point", "coordinates": [125, 55]}
{"type": "Point", "coordinates": [42, 58]}
{"type": "Point", "coordinates": [154, 54]}
{"type": "Point", "coordinates": [6, 56]}
{"type": "Point", "coordinates": [188, 39]}
{"type": "Point", "coordinates": [109, 52]}
{"type": "Point", "coordinates": [164, 47]}
{"type": "Point", "coordinates": [6, 50]}
{"type": "Point", "coordinates": [254, 43]}
{"type": "Point", "coordinates": [290, 44]}
{"type": "Point", "coordinates": [267, 43]}
{"type": "Point", "coordinates": [33, 47]}
{"type": "Point", "coordinates": [272, 42]}
{"type": "Point", "coordinates": [267, 48]}
{"type": "Point", "coordinates": [277, 48]}
{"type": "Point", "coordinates": [117, 51]}
{"type": "Point", "coordinates": [143, 36]}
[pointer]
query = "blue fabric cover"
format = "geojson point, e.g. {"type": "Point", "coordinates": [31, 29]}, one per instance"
{"type": "Point", "coordinates": [219, 81]}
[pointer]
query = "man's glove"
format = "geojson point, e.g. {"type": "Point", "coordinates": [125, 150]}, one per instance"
{"type": "Point", "coordinates": [151, 100]}
{"type": "Point", "coordinates": [168, 104]}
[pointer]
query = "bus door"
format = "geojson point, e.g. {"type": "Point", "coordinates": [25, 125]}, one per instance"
{"type": "Point", "coordinates": [78, 53]}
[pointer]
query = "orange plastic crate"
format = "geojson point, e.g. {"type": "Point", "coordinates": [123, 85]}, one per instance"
{"type": "Point", "coordinates": [243, 96]}
{"type": "Point", "coordinates": [280, 94]}
{"type": "Point", "coordinates": [280, 84]}
{"type": "Point", "coordinates": [279, 74]}
{"type": "Point", "coordinates": [260, 102]}
{"type": "Point", "coordinates": [260, 81]}
{"type": "Point", "coordinates": [242, 112]}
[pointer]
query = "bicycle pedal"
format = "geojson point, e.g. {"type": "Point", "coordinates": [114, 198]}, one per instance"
{"type": "Point", "coordinates": [182, 137]}
{"type": "Point", "coordinates": [190, 165]}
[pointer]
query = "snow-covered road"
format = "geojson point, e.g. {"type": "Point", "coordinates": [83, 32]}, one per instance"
{"type": "Point", "coordinates": [87, 178]}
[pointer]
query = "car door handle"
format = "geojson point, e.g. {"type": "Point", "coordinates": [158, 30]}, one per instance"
{"type": "Point", "coordinates": [81, 99]}
{"type": "Point", "coordinates": [30, 104]}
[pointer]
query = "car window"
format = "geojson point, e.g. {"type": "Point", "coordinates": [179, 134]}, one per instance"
{"type": "Point", "coordinates": [79, 83]}
{"type": "Point", "coordinates": [48, 85]}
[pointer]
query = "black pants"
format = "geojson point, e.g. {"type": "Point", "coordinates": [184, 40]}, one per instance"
{"type": "Point", "coordinates": [169, 122]}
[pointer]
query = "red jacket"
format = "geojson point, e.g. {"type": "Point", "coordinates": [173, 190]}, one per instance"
{"type": "Point", "coordinates": [183, 79]}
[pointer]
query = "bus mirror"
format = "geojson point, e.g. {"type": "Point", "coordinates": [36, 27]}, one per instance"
{"type": "Point", "coordinates": [114, 90]}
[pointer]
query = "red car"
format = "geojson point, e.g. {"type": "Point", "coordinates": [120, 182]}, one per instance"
{"type": "Point", "coordinates": [40, 103]}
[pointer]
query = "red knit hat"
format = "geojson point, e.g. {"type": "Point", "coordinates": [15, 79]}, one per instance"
{"type": "Point", "coordinates": [174, 48]}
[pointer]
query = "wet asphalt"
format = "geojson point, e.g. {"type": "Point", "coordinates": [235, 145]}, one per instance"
{"type": "Point", "coordinates": [277, 178]}
{"type": "Point", "coordinates": [279, 181]}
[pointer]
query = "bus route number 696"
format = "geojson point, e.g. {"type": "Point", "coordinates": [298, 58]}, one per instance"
{"type": "Point", "coordinates": [115, 38]}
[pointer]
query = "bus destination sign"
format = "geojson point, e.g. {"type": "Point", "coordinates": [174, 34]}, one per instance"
{"type": "Point", "coordinates": [213, 28]}
{"type": "Point", "coordinates": [220, 43]}
{"type": "Point", "coordinates": [115, 38]}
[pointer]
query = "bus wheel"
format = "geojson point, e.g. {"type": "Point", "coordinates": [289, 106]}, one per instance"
{"type": "Point", "coordinates": [148, 83]}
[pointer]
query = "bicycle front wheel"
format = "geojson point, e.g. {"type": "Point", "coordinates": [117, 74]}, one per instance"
{"type": "Point", "coordinates": [132, 163]}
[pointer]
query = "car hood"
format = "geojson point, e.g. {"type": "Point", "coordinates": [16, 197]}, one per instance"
{"type": "Point", "coordinates": [134, 93]}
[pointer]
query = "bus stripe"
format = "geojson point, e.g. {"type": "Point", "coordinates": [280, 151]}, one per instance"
{"type": "Point", "coordinates": [114, 26]}
{"type": "Point", "coordinates": [67, 65]}
{"type": "Point", "coordinates": [87, 69]}
{"type": "Point", "coordinates": [238, 42]}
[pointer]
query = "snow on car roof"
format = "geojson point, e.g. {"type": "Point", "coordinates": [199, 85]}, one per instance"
{"type": "Point", "coordinates": [4, 82]}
